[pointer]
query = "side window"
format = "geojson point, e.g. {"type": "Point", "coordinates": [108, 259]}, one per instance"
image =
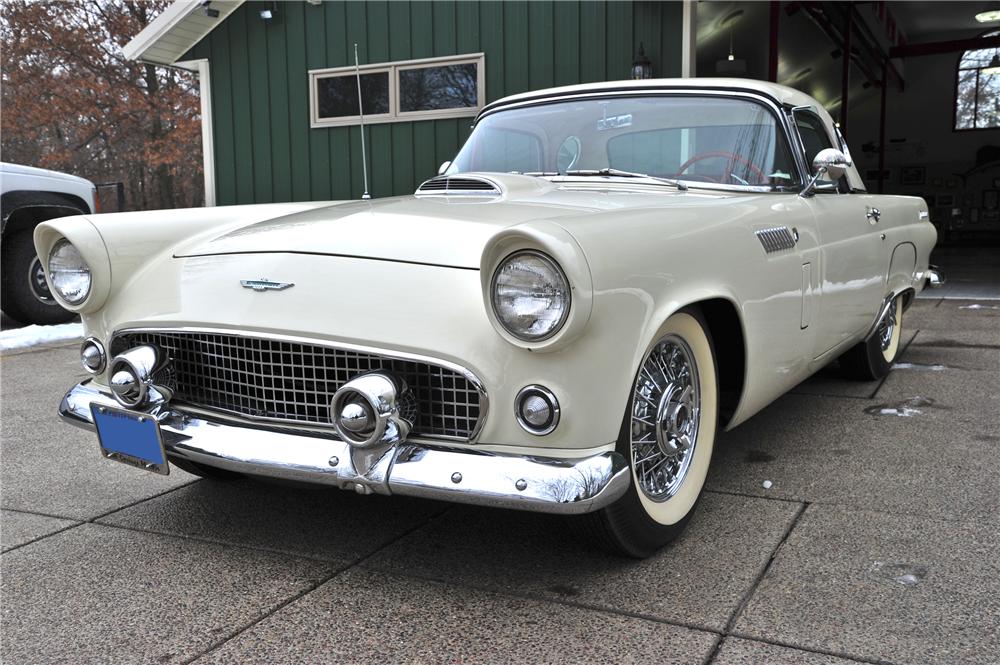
{"type": "Point", "coordinates": [814, 139]}
{"type": "Point", "coordinates": [813, 135]}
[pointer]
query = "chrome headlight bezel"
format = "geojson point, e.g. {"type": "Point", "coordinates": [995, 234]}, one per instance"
{"type": "Point", "coordinates": [54, 275]}
{"type": "Point", "coordinates": [565, 291]}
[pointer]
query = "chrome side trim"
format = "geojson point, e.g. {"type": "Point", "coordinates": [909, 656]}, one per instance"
{"type": "Point", "coordinates": [484, 401]}
{"type": "Point", "coordinates": [537, 484]}
{"type": "Point", "coordinates": [776, 239]}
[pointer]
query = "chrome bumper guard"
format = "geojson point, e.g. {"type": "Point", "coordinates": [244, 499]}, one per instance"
{"type": "Point", "coordinates": [935, 278]}
{"type": "Point", "coordinates": [537, 484]}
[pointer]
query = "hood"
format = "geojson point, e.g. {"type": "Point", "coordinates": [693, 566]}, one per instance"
{"type": "Point", "coordinates": [444, 230]}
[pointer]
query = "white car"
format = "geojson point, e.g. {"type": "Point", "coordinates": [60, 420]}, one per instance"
{"type": "Point", "coordinates": [28, 196]}
{"type": "Point", "coordinates": [603, 277]}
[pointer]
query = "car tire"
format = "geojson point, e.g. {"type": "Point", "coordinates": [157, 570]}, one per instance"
{"type": "Point", "coordinates": [872, 359]}
{"type": "Point", "coordinates": [666, 484]}
{"type": "Point", "coordinates": [25, 294]}
{"type": "Point", "coordinates": [204, 471]}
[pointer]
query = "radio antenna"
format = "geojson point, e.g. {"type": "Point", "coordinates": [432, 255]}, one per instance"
{"type": "Point", "coordinates": [361, 114]}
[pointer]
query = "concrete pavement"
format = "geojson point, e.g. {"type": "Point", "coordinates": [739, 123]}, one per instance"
{"type": "Point", "coordinates": [877, 540]}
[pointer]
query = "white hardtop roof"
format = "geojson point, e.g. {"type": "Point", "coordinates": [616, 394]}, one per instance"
{"type": "Point", "coordinates": [172, 34]}
{"type": "Point", "coordinates": [782, 93]}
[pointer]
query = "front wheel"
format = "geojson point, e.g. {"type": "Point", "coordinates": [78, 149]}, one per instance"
{"type": "Point", "coordinates": [667, 435]}
{"type": "Point", "coordinates": [872, 358]}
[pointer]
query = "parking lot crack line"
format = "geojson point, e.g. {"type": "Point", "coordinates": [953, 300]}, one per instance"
{"type": "Point", "coordinates": [48, 535]}
{"type": "Point", "coordinates": [767, 566]}
{"type": "Point", "coordinates": [822, 652]}
{"type": "Point", "coordinates": [143, 500]}
{"type": "Point", "coordinates": [312, 587]}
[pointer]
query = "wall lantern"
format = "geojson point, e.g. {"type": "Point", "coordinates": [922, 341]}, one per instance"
{"type": "Point", "coordinates": [268, 12]}
{"type": "Point", "coordinates": [642, 67]}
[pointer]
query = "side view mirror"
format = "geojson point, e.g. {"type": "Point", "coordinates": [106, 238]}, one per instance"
{"type": "Point", "coordinates": [444, 167]}
{"type": "Point", "coordinates": [828, 162]}
{"type": "Point", "coordinates": [833, 162]}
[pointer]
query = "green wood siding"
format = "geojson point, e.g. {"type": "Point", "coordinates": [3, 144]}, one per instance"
{"type": "Point", "coordinates": [265, 149]}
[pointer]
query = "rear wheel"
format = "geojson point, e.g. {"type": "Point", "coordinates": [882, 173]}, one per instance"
{"type": "Point", "coordinates": [872, 359]}
{"type": "Point", "coordinates": [667, 435]}
{"type": "Point", "coordinates": [26, 295]}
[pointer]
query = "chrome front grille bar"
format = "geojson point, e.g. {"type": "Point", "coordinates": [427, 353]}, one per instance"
{"type": "Point", "coordinates": [292, 380]}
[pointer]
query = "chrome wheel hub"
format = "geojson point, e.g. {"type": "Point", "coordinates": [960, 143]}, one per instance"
{"type": "Point", "coordinates": [36, 282]}
{"type": "Point", "coordinates": [665, 412]}
{"type": "Point", "coordinates": [887, 326]}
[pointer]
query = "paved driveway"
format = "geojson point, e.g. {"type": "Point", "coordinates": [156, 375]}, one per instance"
{"type": "Point", "coordinates": [877, 540]}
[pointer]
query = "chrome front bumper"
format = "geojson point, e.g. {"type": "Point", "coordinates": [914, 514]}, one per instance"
{"type": "Point", "coordinates": [507, 481]}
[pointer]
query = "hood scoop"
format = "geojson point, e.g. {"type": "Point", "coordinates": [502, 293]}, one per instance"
{"type": "Point", "coordinates": [463, 185]}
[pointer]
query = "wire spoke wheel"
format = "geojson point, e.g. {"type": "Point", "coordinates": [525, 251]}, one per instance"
{"type": "Point", "coordinates": [887, 326]}
{"type": "Point", "coordinates": [665, 417]}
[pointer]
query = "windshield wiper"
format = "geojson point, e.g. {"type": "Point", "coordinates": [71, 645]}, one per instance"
{"type": "Point", "coordinates": [627, 174]}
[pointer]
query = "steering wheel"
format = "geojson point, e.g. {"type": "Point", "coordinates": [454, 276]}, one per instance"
{"type": "Point", "coordinates": [728, 155]}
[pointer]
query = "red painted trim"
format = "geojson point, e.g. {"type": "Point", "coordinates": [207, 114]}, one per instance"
{"type": "Point", "coordinates": [772, 56]}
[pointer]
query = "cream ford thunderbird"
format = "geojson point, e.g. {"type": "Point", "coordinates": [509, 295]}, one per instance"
{"type": "Point", "coordinates": [562, 321]}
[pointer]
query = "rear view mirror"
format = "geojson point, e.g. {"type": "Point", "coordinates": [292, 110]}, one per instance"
{"type": "Point", "coordinates": [830, 164]}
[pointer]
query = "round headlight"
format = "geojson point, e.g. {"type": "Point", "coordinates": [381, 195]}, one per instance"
{"type": "Point", "coordinates": [530, 296]}
{"type": "Point", "coordinates": [69, 273]}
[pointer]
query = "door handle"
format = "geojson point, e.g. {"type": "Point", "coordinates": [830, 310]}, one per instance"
{"type": "Point", "coordinates": [873, 215]}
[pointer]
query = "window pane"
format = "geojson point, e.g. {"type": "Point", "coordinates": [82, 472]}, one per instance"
{"type": "Point", "coordinates": [503, 151]}
{"type": "Point", "coordinates": [435, 88]}
{"type": "Point", "coordinates": [988, 110]}
{"type": "Point", "coordinates": [337, 96]}
{"type": "Point", "coordinates": [965, 101]}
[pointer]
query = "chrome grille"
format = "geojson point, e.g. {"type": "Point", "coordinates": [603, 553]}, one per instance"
{"type": "Point", "coordinates": [292, 381]}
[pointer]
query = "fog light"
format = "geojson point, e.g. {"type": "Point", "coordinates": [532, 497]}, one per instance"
{"type": "Point", "coordinates": [126, 387]}
{"type": "Point", "coordinates": [140, 376]}
{"type": "Point", "coordinates": [536, 409]}
{"type": "Point", "coordinates": [92, 355]}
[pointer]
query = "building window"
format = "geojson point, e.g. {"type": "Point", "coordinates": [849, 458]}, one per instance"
{"type": "Point", "coordinates": [399, 91]}
{"type": "Point", "coordinates": [977, 97]}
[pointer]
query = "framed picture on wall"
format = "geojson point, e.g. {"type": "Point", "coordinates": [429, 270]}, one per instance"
{"type": "Point", "coordinates": [912, 175]}
{"type": "Point", "coordinates": [871, 175]}
{"type": "Point", "coordinates": [991, 199]}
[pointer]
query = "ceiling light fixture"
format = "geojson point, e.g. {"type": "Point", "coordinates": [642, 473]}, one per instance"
{"type": "Point", "coordinates": [988, 17]}
{"type": "Point", "coordinates": [209, 12]}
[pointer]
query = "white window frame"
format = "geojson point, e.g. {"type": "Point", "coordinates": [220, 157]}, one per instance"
{"type": "Point", "coordinates": [393, 69]}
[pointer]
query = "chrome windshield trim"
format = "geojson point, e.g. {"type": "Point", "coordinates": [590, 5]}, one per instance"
{"type": "Point", "coordinates": [780, 117]}
{"type": "Point", "coordinates": [484, 401]}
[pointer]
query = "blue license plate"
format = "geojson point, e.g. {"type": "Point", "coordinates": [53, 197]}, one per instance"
{"type": "Point", "coordinates": [130, 437]}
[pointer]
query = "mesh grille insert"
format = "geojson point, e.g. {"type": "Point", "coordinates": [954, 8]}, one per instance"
{"type": "Point", "coordinates": [294, 382]}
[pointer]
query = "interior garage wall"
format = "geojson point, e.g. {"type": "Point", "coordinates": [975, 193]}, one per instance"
{"type": "Point", "coordinates": [264, 148]}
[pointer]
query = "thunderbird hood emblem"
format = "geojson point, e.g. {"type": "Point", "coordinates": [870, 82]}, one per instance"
{"type": "Point", "coordinates": [264, 284]}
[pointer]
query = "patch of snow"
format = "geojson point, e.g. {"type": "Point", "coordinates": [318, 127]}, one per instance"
{"type": "Point", "coordinates": [768, 484]}
{"type": "Point", "coordinates": [918, 366]}
{"type": "Point", "coordinates": [20, 338]}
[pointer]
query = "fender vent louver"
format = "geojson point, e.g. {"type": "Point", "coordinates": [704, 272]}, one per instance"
{"type": "Point", "coordinates": [463, 185]}
{"type": "Point", "coordinates": [776, 239]}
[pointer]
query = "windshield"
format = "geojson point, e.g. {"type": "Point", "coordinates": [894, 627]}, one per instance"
{"type": "Point", "coordinates": [693, 139]}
